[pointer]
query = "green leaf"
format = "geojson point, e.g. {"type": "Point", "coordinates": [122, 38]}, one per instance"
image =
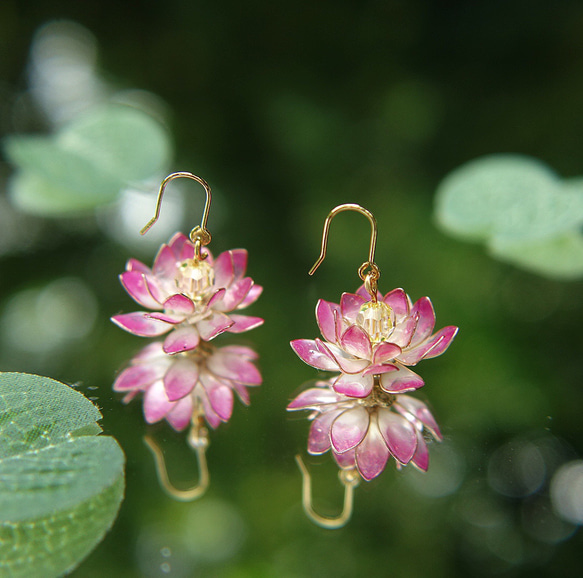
{"type": "Point", "coordinates": [88, 163]}
{"type": "Point", "coordinates": [508, 197]}
{"type": "Point", "coordinates": [560, 258]}
{"type": "Point", "coordinates": [60, 483]}
{"type": "Point", "coordinates": [120, 140]}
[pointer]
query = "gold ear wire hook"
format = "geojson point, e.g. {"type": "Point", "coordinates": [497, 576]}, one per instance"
{"type": "Point", "coordinates": [198, 441]}
{"type": "Point", "coordinates": [200, 235]}
{"type": "Point", "coordinates": [349, 478]}
{"type": "Point", "coordinates": [370, 278]}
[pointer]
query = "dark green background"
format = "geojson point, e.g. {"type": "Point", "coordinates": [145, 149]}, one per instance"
{"type": "Point", "coordinates": [289, 109]}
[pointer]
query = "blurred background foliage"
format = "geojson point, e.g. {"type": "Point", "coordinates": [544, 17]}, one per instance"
{"type": "Point", "coordinates": [288, 110]}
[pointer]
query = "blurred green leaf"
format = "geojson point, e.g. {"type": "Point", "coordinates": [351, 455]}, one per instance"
{"type": "Point", "coordinates": [121, 141]}
{"type": "Point", "coordinates": [88, 162]}
{"type": "Point", "coordinates": [520, 209]}
{"type": "Point", "coordinates": [560, 258]}
{"type": "Point", "coordinates": [507, 196]}
{"type": "Point", "coordinates": [61, 483]}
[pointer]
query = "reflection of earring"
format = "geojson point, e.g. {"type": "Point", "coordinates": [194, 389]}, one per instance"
{"type": "Point", "coordinates": [191, 297]}
{"type": "Point", "coordinates": [362, 413]}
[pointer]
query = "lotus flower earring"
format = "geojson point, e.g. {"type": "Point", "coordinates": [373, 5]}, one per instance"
{"type": "Point", "coordinates": [363, 413]}
{"type": "Point", "coordinates": [192, 298]}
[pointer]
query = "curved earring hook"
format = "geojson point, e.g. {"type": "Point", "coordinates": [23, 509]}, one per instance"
{"type": "Point", "coordinates": [200, 234]}
{"type": "Point", "coordinates": [349, 478]}
{"type": "Point", "coordinates": [370, 278]}
{"type": "Point", "coordinates": [198, 442]}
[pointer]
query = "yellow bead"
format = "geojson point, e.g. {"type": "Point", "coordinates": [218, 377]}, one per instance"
{"type": "Point", "coordinates": [375, 319]}
{"type": "Point", "coordinates": [195, 278]}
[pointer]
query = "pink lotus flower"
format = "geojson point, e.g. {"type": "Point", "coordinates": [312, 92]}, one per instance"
{"type": "Point", "coordinates": [370, 341]}
{"type": "Point", "coordinates": [191, 299]}
{"type": "Point", "coordinates": [200, 381]}
{"type": "Point", "coordinates": [364, 433]}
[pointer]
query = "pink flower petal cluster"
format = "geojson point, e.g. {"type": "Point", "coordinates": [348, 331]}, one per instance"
{"type": "Point", "coordinates": [364, 433]}
{"type": "Point", "coordinates": [362, 414]}
{"type": "Point", "coordinates": [361, 348]}
{"type": "Point", "coordinates": [200, 381]}
{"type": "Point", "coordinates": [189, 299]}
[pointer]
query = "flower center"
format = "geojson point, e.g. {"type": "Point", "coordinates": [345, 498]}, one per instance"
{"type": "Point", "coordinates": [375, 318]}
{"type": "Point", "coordinates": [195, 278]}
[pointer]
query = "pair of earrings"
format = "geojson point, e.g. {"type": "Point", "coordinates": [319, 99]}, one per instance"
{"type": "Point", "coordinates": [362, 414]}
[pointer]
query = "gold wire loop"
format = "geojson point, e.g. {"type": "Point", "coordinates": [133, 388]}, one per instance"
{"type": "Point", "coordinates": [198, 441]}
{"type": "Point", "coordinates": [370, 278]}
{"type": "Point", "coordinates": [200, 235]}
{"type": "Point", "coordinates": [349, 478]}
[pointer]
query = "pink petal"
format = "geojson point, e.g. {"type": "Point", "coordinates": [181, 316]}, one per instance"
{"type": "Point", "coordinates": [347, 460]}
{"type": "Point", "coordinates": [415, 407]}
{"type": "Point", "coordinates": [252, 296]}
{"type": "Point", "coordinates": [243, 323]}
{"type": "Point", "coordinates": [156, 403]}
{"type": "Point", "coordinates": [180, 415]}
{"type": "Point", "coordinates": [319, 437]}
{"type": "Point", "coordinates": [379, 369]}
{"type": "Point", "coordinates": [398, 301]}
{"type": "Point", "coordinates": [401, 381]}
{"type": "Point", "coordinates": [216, 298]}
{"type": "Point", "coordinates": [356, 341]}
{"type": "Point", "coordinates": [341, 358]}
{"type": "Point", "coordinates": [135, 265]}
{"type": "Point", "coordinates": [155, 289]}
{"type": "Point", "coordinates": [141, 323]}
{"type": "Point", "coordinates": [209, 413]}
{"type": "Point", "coordinates": [384, 352]}
{"type": "Point", "coordinates": [399, 434]}
{"type": "Point", "coordinates": [150, 352]}
{"type": "Point", "coordinates": [372, 454]}
{"type": "Point", "coordinates": [179, 304]}
{"type": "Point", "coordinates": [224, 271]}
{"type": "Point", "coordinates": [214, 325]}
{"type": "Point", "coordinates": [239, 262]}
{"type": "Point", "coordinates": [165, 263]}
{"type": "Point", "coordinates": [168, 318]}
{"type": "Point", "coordinates": [357, 385]}
{"type": "Point", "coordinates": [183, 339]}
{"type": "Point", "coordinates": [326, 320]}
{"type": "Point", "coordinates": [180, 379]}
{"type": "Point", "coordinates": [308, 352]}
{"type": "Point", "coordinates": [234, 367]}
{"type": "Point", "coordinates": [177, 243]}
{"type": "Point", "coordinates": [135, 284]}
{"type": "Point", "coordinates": [313, 398]}
{"type": "Point", "coordinates": [349, 429]}
{"type": "Point", "coordinates": [220, 396]}
{"type": "Point", "coordinates": [235, 294]}
{"type": "Point", "coordinates": [424, 309]}
{"type": "Point", "coordinates": [421, 458]}
{"type": "Point", "coordinates": [241, 392]}
{"type": "Point", "coordinates": [350, 305]}
{"type": "Point", "coordinates": [404, 330]}
{"type": "Point", "coordinates": [240, 350]}
{"type": "Point", "coordinates": [432, 347]}
{"type": "Point", "coordinates": [137, 377]}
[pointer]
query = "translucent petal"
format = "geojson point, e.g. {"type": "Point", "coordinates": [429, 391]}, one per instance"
{"type": "Point", "coordinates": [399, 434]}
{"type": "Point", "coordinates": [349, 429]}
{"type": "Point", "coordinates": [180, 379]}
{"type": "Point", "coordinates": [372, 454]}
{"type": "Point", "coordinates": [182, 339]}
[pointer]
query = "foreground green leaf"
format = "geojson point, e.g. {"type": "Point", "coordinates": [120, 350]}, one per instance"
{"type": "Point", "coordinates": [60, 483]}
